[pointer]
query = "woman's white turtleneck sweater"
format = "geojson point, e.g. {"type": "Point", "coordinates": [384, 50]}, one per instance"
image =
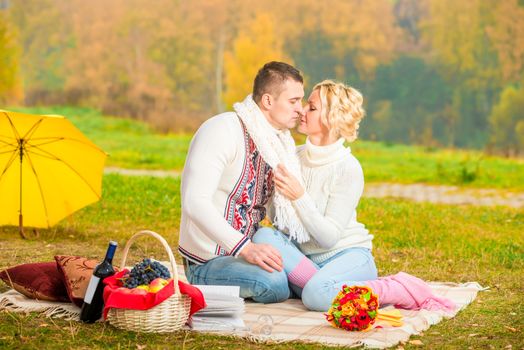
{"type": "Point", "coordinates": [334, 182]}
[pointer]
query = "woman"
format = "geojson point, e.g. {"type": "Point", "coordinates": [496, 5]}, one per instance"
{"type": "Point", "coordinates": [339, 249]}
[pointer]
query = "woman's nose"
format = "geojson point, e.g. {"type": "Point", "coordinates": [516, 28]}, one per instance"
{"type": "Point", "coordinates": [301, 112]}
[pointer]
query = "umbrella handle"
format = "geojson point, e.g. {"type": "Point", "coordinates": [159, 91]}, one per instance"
{"type": "Point", "coordinates": [21, 226]}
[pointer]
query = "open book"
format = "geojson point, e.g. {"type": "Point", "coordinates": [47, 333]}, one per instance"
{"type": "Point", "coordinates": [224, 309]}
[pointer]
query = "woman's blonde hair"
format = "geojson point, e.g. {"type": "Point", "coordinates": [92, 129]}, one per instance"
{"type": "Point", "coordinates": [341, 109]}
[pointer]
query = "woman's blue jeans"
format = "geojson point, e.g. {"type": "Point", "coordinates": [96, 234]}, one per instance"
{"type": "Point", "coordinates": [350, 266]}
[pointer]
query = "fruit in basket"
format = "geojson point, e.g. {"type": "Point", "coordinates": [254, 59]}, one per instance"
{"type": "Point", "coordinates": [144, 273]}
{"type": "Point", "coordinates": [144, 287]}
{"type": "Point", "coordinates": [139, 291]}
{"type": "Point", "coordinates": [157, 284]}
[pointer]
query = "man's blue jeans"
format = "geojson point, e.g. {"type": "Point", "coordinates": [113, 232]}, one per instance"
{"type": "Point", "coordinates": [254, 282]}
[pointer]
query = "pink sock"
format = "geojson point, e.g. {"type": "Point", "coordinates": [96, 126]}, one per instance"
{"type": "Point", "coordinates": [302, 273]}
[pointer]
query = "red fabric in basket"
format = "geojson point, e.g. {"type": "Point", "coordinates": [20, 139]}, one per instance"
{"type": "Point", "coordinates": [120, 297]}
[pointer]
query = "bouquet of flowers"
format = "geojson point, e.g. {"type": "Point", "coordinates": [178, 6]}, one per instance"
{"type": "Point", "coordinates": [355, 308]}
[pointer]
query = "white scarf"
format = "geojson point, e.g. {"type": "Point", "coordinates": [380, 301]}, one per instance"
{"type": "Point", "coordinates": [275, 146]}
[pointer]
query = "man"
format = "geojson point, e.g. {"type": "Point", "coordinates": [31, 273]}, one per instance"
{"type": "Point", "coordinates": [226, 183]}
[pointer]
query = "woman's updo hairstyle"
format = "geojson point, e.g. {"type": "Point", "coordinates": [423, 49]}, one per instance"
{"type": "Point", "coordinates": [341, 109]}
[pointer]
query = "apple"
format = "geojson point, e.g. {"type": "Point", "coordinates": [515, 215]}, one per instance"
{"type": "Point", "coordinates": [144, 287]}
{"type": "Point", "coordinates": [157, 284]}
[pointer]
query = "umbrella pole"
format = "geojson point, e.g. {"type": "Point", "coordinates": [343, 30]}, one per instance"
{"type": "Point", "coordinates": [20, 216]}
{"type": "Point", "coordinates": [21, 226]}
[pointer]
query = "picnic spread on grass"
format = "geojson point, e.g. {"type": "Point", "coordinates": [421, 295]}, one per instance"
{"type": "Point", "coordinates": [58, 289]}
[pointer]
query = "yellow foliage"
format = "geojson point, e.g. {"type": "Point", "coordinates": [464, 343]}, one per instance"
{"type": "Point", "coordinates": [363, 29]}
{"type": "Point", "coordinates": [10, 88]}
{"type": "Point", "coordinates": [456, 31]}
{"type": "Point", "coordinates": [519, 131]}
{"type": "Point", "coordinates": [507, 36]}
{"type": "Point", "coordinates": [252, 48]}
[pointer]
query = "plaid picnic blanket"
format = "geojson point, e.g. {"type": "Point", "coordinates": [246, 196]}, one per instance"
{"type": "Point", "coordinates": [290, 320]}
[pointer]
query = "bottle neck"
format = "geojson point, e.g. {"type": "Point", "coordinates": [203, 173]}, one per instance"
{"type": "Point", "coordinates": [110, 252]}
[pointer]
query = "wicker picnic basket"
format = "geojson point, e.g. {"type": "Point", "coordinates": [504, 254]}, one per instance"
{"type": "Point", "coordinates": [168, 316]}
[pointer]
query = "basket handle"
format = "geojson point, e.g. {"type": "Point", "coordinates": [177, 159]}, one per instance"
{"type": "Point", "coordinates": [166, 247]}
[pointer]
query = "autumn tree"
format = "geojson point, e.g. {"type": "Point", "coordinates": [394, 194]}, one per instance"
{"type": "Point", "coordinates": [409, 14]}
{"type": "Point", "coordinates": [507, 37]}
{"type": "Point", "coordinates": [10, 89]}
{"type": "Point", "coordinates": [507, 122]}
{"type": "Point", "coordinates": [190, 46]}
{"type": "Point", "coordinates": [456, 34]}
{"type": "Point", "coordinates": [43, 38]}
{"type": "Point", "coordinates": [313, 55]}
{"type": "Point", "coordinates": [365, 34]}
{"type": "Point", "coordinates": [406, 103]}
{"type": "Point", "coordinates": [253, 47]}
{"type": "Point", "coordinates": [102, 62]}
{"type": "Point", "coordinates": [158, 61]}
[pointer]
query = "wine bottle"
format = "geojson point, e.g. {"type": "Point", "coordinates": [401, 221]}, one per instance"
{"type": "Point", "coordinates": [93, 300]}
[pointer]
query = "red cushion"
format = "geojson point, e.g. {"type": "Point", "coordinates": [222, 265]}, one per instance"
{"type": "Point", "coordinates": [76, 272]}
{"type": "Point", "coordinates": [37, 281]}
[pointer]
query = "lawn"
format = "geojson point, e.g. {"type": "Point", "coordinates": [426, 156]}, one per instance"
{"type": "Point", "coordinates": [129, 143]}
{"type": "Point", "coordinates": [434, 242]}
{"type": "Point", "coordinates": [132, 144]}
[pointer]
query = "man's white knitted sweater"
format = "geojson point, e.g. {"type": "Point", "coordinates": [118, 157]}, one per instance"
{"type": "Point", "coordinates": [225, 185]}
{"type": "Point", "coordinates": [334, 183]}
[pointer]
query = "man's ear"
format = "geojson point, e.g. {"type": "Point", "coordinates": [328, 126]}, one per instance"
{"type": "Point", "coordinates": [266, 102]}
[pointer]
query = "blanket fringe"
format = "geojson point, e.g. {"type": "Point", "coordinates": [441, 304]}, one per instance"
{"type": "Point", "coordinates": [9, 303]}
{"type": "Point", "coordinates": [58, 312]}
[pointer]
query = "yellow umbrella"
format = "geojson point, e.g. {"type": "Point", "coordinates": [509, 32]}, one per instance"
{"type": "Point", "coordinates": [48, 169]}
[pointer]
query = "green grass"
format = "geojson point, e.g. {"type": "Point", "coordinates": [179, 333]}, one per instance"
{"type": "Point", "coordinates": [434, 242]}
{"type": "Point", "coordinates": [129, 143]}
{"type": "Point", "coordinates": [132, 144]}
{"type": "Point", "coordinates": [415, 164]}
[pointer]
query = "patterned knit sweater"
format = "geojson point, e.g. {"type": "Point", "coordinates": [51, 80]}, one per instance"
{"type": "Point", "coordinates": [225, 185]}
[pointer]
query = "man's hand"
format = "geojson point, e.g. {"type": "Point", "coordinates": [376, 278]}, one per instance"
{"type": "Point", "coordinates": [287, 184]}
{"type": "Point", "coordinates": [264, 255]}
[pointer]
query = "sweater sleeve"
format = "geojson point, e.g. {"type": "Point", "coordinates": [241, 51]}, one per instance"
{"type": "Point", "coordinates": [214, 147]}
{"type": "Point", "coordinates": [326, 228]}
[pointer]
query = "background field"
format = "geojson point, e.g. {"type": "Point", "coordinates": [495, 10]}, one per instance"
{"type": "Point", "coordinates": [434, 242]}
{"type": "Point", "coordinates": [133, 144]}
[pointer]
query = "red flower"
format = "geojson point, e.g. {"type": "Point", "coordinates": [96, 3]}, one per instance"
{"type": "Point", "coordinates": [363, 319]}
{"type": "Point", "coordinates": [344, 324]}
{"type": "Point", "coordinates": [348, 297]}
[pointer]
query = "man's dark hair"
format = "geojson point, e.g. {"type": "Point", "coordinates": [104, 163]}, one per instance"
{"type": "Point", "coordinates": [271, 77]}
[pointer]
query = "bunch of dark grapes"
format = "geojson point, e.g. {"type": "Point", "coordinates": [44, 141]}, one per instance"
{"type": "Point", "coordinates": [144, 272]}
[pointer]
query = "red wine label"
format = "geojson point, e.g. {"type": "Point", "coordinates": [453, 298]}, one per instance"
{"type": "Point", "coordinates": [91, 288]}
